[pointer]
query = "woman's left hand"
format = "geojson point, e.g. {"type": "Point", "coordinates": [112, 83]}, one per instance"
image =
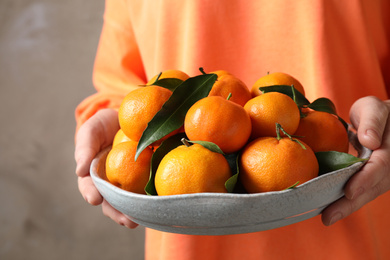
{"type": "Point", "coordinates": [370, 116]}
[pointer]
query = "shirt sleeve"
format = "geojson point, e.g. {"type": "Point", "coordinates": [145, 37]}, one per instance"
{"type": "Point", "coordinates": [118, 67]}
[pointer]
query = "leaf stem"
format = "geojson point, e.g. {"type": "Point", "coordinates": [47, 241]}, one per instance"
{"type": "Point", "coordinates": [229, 96]}
{"type": "Point", "coordinates": [292, 186]}
{"type": "Point", "coordinates": [185, 142]}
{"type": "Point", "coordinates": [280, 128]}
{"type": "Point", "coordinates": [294, 95]}
{"type": "Point", "coordinates": [158, 77]}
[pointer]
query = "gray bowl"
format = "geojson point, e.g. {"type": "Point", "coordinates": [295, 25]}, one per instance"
{"type": "Point", "coordinates": [223, 214]}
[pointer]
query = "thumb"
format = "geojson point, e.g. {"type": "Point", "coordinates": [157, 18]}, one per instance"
{"type": "Point", "coordinates": [369, 116]}
{"type": "Point", "coordinates": [95, 134]}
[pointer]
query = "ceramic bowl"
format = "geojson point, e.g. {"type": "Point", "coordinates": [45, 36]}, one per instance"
{"type": "Point", "coordinates": [223, 214]}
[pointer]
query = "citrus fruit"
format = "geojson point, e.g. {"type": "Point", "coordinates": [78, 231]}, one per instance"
{"type": "Point", "coordinates": [323, 131]}
{"type": "Point", "coordinates": [220, 121]}
{"type": "Point", "coordinates": [176, 74]}
{"type": "Point", "coordinates": [268, 109]}
{"type": "Point", "coordinates": [273, 164]}
{"type": "Point", "coordinates": [139, 107]}
{"type": "Point", "coordinates": [276, 78]}
{"type": "Point", "coordinates": [124, 172]}
{"type": "Point", "coordinates": [120, 137]}
{"type": "Point", "coordinates": [229, 84]}
{"type": "Point", "coordinates": [191, 169]}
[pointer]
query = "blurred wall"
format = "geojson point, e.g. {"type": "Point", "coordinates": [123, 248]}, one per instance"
{"type": "Point", "coordinates": [47, 49]}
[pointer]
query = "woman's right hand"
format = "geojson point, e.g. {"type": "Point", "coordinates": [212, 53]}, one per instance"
{"type": "Point", "coordinates": [94, 135]}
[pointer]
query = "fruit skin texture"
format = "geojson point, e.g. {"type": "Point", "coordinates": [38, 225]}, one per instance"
{"type": "Point", "coordinates": [220, 121]}
{"type": "Point", "coordinates": [192, 169]}
{"type": "Point", "coordinates": [269, 164]}
{"type": "Point", "coordinates": [177, 74]}
{"type": "Point", "coordinates": [323, 131]}
{"type": "Point", "coordinates": [276, 78]}
{"type": "Point", "coordinates": [139, 107]}
{"type": "Point", "coordinates": [120, 137]}
{"type": "Point", "coordinates": [125, 173]}
{"type": "Point", "coordinates": [229, 84]}
{"type": "Point", "coordinates": [268, 109]}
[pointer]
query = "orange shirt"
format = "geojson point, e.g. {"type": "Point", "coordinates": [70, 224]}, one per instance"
{"type": "Point", "coordinates": [337, 49]}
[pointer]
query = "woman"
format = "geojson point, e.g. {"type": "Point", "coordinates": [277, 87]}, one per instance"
{"type": "Point", "coordinates": [337, 49]}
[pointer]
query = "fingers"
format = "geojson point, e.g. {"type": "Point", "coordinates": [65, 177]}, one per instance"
{"type": "Point", "coordinates": [93, 197]}
{"type": "Point", "coordinates": [92, 136]}
{"type": "Point", "coordinates": [117, 216]}
{"type": "Point", "coordinates": [344, 206]}
{"type": "Point", "coordinates": [95, 134]}
{"type": "Point", "coordinates": [378, 167]}
{"type": "Point", "coordinates": [89, 191]}
{"type": "Point", "coordinates": [366, 185]}
{"type": "Point", "coordinates": [370, 183]}
{"type": "Point", "coordinates": [369, 116]}
{"type": "Point", "coordinates": [376, 170]}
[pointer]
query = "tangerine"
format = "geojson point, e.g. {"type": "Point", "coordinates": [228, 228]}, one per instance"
{"type": "Point", "coordinates": [323, 131]}
{"type": "Point", "coordinates": [227, 84]}
{"type": "Point", "coordinates": [139, 107]}
{"type": "Point", "coordinates": [220, 121]}
{"type": "Point", "coordinates": [120, 137]}
{"type": "Point", "coordinates": [276, 163]}
{"type": "Point", "coordinates": [191, 169]}
{"type": "Point", "coordinates": [276, 78]}
{"type": "Point", "coordinates": [177, 74]}
{"type": "Point", "coordinates": [125, 173]}
{"type": "Point", "coordinates": [268, 109]}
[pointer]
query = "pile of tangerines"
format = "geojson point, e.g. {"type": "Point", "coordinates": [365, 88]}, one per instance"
{"type": "Point", "coordinates": [210, 138]}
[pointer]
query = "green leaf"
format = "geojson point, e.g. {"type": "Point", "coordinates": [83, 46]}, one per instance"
{"type": "Point", "coordinates": [287, 90]}
{"type": "Point", "coordinates": [165, 147]}
{"type": "Point", "coordinates": [324, 105]}
{"type": "Point", "coordinates": [232, 159]}
{"type": "Point", "coordinates": [344, 123]}
{"type": "Point", "coordinates": [172, 114]}
{"type": "Point", "coordinates": [168, 83]}
{"type": "Point", "coordinates": [209, 145]}
{"type": "Point", "coordinates": [332, 161]}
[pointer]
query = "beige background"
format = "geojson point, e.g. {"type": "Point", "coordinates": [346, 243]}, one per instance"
{"type": "Point", "coordinates": [47, 50]}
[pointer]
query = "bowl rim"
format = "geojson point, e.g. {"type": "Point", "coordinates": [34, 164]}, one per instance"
{"type": "Point", "coordinates": [158, 212]}
{"type": "Point", "coordinates": [364, 153]}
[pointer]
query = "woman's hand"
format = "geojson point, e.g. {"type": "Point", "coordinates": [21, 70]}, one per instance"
{"type": "Point", "coordinates": [93, 136]}
{"type": "Point", "coordinates": [370, 116]}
